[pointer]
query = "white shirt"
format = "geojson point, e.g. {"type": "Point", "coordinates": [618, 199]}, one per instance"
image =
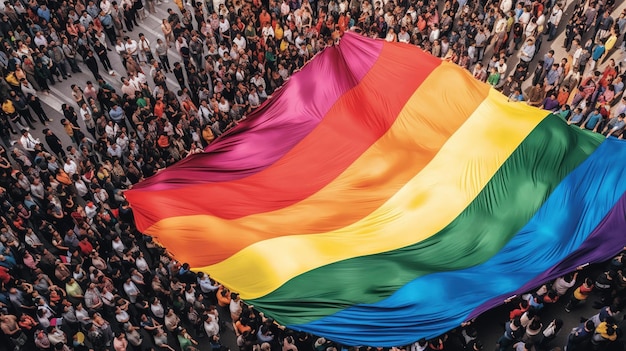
{"type": "Point", "coordinates": [541, 20]}
{"type": "Point", "coordinates": [83, 112]}
{"type": "Point", "coordinates": [28, 89]}
{"type": "Point", "coordinates": [130, 89]}
{"type": "Point", "coordinates": [561, 286]}
{"type": "Point", "coordinates": [211, 326]}
{"type": "Point", "coordinates": [434, 35]}
{"type": "Point", "coordinates": [524, 18]}
{"type": "Point", "coordinates": [253, 99]}
{"type": "Point", "coordinates": [121, 49]}
{"type": "Point", "coordinates": [82, 190]}
{"type": "Point", "coordinates": [258, 81]}
{"type": "Point", "coordinates": [111, 131]}
{"type": "Point", "coordinates": [141, 264]}
{"type": "Point", "coordinates": [284, 8]}
{"type": "Point", "coordinates": [157, 310]}
{"type": "Point", "coordinates": [205, 114]}
{"type": "Point", "coordinates": [241, 42]}
{"type": "Point", "coordinates": [180, 45]}
{"type": "Point", "coordinates": [288, 35]}
{"type": "Point", "coordinates": [224, 107]}
{"type": "Point", "coordinates": [555, 16]}
{"type": "Point", "coordinates": [224, 26]}
{"type": "Point", "coordinates": [267, 31]}
{"type": "Point", "coordinates": [119, 247]}
{"type": "Point", "coordinates": [105, 5]}
{"type": "Point", "coordinates": [235, 307]}
{"type": "Point", "coordinates": [91, 211]}
{"type": "Point", "coordinates": [40, 40]}
{"type": "Point", "coordinates": [131, 290]}
{"type": "Point", "coordinates": [131, 48]}
{"type": "Point", "coordinates": [144, 44]}
{"type": "Point", "coordinates": [70, 168]}
{"type": "Point", "coordinates": [506, 5]}
{"type": "Point", "coordinates": [28, 142]}
{"type": "Point", "coordinates": [500, 26]}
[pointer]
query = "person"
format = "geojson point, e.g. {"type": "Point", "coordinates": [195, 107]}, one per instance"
{"type": "Point", "coordinates": [553, 22]}
{"type": "Point", "coordinates": [28, 142]}
{"type": "Point", "coordinates": [92, 64]}
{"type": "Point", "coordinates": [72, 131]}
{"type": "Point", "coordinates": [528, 51]}
{"type": "Point", "coordinates": [161, 51]}
{"type": "Point", "coordinates": [605, 333]}
{"type": "Point", "coordinates": [120, 343]}
{"type": "Point", "coordinates": [102, 53]}
{"type": "Point", "coordinates": [598, 51]}
{"type": "Point", "coordinates": [145, 51]}
{"type": "Point", "coordinates": [550, 333]}
{"type": "Point", "coordinates": [580, 294]}
{"type": "Point", "coordinates": [186, 342]}
{"type": "Point", "coordinates": [21, 111]}
{"type": "Point", "coordinates": [580, 337]}
{"type": "Point", "coordinates": [563, 284]}
{"type": "Point", "coordinates": [592, 122]}
{"type": "Point", "coordinates": [35, 103]}
{"type": "Point", "coordinates": [614, 126]}
{"type": "Point", "coordinates": [513, 331]}
{"type": "Point", "coordinates": [221, 76]}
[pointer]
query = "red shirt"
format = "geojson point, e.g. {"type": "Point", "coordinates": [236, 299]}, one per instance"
{"type": "Point", "coordinates": [85, 247]}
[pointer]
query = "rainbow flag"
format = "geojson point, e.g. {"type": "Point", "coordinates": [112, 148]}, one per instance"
{"type": "Point", "coordinates": [383, 195]}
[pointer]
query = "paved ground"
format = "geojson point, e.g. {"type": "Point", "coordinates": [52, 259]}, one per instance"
{"type": "Point", "coordinates": [489, 325]}
{"type": "Point", "coordinates": [60, 93]}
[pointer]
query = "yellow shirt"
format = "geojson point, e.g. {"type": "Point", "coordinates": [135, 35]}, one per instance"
{"type": "Point", "coordinates": [284, 45]}
{"type": "Point", "coordinates": [278, 32]}
{"type": "Point", "coordinates": [68, 129]}
{"type": "Point", "coordinates": [8, 107]}
{"type": "Point", "coordinates": [610, 43]}
{"type": "Point", "coordinates": [12, 79]}
{"type": "Point", "coordinates": [73, 289]}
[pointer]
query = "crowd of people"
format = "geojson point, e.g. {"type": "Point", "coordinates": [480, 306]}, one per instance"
{"type": "Point", "coordinates": [75, 272]}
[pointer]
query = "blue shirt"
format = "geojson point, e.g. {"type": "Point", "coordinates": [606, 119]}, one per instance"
{"type": "Point", "coordinates": [576, 118]}
{"type": "Point", "coordinates": [547, 62]}
{"type": "Point", "coordinates": [598, 51]}
{"type": "Point", "coordinates": [116, 114]}
{"type": "Point", "coordinates": [552, 76]}
{"type": "Point", "coordinates": [45, 14]}
{"type": "Point", "coordinates": [9, 261]}
{"type": "Point", "coordinates": [107, 21]}
{"type": "Point", "coordinates": [593, 120]}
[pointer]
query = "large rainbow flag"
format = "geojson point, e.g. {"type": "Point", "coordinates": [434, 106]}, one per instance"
{"type": "Point", "coordinates": [383, 195]}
